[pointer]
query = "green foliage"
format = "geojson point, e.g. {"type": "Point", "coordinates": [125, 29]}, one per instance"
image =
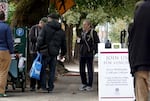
{"type": "Point", "coordinates": [88, 4]}
{"type": "Point", "coordinates": [114, 36]}
{"type": "Point", "coordinates": [72, 17]}
{"type": "Point", "coordinates": [97, 16]}
{"type": "Point", "coordinates": [75, 17]}
{"type": "Point", "coordinates": [114, 8]}
{"type": "Point", "coordinates": [100, 11]}
{"type": "Point", "coordinates": [11, 10]}
{"type": "Point", "coordinates": [116, 28]}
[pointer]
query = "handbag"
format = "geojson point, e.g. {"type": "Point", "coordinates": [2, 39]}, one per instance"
{"type": "Point", "coordinates": [36, 67]}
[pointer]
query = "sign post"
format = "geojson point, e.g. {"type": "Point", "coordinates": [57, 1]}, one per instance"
{"type": "Point", "coordinates": [115, 80]}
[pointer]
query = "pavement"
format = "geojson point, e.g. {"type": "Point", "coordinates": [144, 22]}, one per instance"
{"type": "Point", "coordinates": [66, 89]}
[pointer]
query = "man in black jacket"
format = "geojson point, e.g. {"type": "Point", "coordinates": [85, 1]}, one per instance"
{"type": "Point", "coordinates": [139, 51]}
{"type": "Point", "coordinates": [54, 37]}
{"type": "Point", "coordinates": [88, 48]}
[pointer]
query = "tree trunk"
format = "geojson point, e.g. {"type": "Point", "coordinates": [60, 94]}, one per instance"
{"type": "Point", "coordinates": [77, 46]}
{"type": "Point", "coordinates": [29, 12]}
{"type": "Point", "coordinates": [69, 38]}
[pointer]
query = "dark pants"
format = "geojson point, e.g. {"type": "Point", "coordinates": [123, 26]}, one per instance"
{"type": "Point", "coordinates": [43, 73]}
{"type": "Point", "coordinates": [51, 61]}
{"type": "Point", "coordinates": [89, 62]}
{"type": "Point", "coordinates": [33, 83]}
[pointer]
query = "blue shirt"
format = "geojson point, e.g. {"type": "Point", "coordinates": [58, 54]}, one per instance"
{"type": "Point", "coordinates": [6, 40]}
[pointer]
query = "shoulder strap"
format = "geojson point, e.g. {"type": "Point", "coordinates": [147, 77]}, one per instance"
{"type": "Point", "coordinates": [91, 34]}
{"type": "Point", "coordinates": [36, 31]}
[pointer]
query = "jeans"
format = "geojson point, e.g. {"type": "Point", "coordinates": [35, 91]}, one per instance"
{"type": "Point", "coordinates": [51, 61]}
{"type": "Point", "coordinates": [43, 72]}
{"type": "Point", "coordinates": [89, 62]}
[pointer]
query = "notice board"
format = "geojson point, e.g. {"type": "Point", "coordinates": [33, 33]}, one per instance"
{"type": "Point", "coordinates": [115, 81]}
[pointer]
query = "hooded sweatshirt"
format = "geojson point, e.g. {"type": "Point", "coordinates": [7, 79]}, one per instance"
{"type": "Point", "coordinates": [54, 37]}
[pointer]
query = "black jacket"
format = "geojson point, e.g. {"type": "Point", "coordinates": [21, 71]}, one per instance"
{"type": "Point", "coordinates": [33, 34]}
{"type": "Point", "coordinates": [89, 44]}
{"type": "Point", "coordinates": [54, 37]}
{"type": "Point", "coordinates": [139, 40]}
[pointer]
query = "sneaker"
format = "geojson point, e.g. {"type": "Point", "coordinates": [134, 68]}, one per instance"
{"type": "Point", "coordinates": [3, 95]}
{"type": "Point", "coordinates": [50, 89]}
{"type": "Point", "coordinates": [89, 88]}
{"type": "Point", "coordinates": [32, 89]}
{"type": "Point", "coordinates": [82, 87]}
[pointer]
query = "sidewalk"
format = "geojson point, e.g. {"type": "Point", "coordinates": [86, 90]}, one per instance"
{"type": "Point", "coordinates": [66, 89]}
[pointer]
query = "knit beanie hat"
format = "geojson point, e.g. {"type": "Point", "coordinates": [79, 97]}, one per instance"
{"type": "Point", "coordinates": [54, 16]}
{"type": "Point", "coordinates": [44, 19]}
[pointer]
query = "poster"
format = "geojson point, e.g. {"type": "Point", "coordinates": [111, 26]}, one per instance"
{"type": "Point", "coordinates": [115, 80]}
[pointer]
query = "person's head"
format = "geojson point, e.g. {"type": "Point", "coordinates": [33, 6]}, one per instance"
{"type": "Point", "coordinates": [43, 21]}
{"type": "Point", "coordinates": [86, 25]}
{"type": "Point", "coordinates": [2, 15]}
{"type": "Point", "coordinates": [138, 4]}
{"type": "Point", "coordinates": [53, 16]}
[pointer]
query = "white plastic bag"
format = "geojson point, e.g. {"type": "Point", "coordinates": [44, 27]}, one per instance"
{"type": "Point", "coordinates": [21, 62]}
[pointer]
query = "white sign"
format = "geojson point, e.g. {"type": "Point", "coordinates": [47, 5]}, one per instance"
{"type": "Point", "coordinates": [115, 80]}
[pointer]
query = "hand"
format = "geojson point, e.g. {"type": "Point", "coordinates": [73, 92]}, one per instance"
{"type": "Point", "coordinates": [61, 58]}
{"type": "Point", "coordinates": [17, 56]}
{"type": "Point", "coordinates": [78, 39]}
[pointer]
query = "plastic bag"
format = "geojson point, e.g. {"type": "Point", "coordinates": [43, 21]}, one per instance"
{"type": "Point", "coordinates": [21, 62]}
{"type": "Point", "coordinates": [36, 67]}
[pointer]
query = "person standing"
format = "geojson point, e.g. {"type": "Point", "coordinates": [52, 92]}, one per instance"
{"type": "Point", "coordinates": [88, 48]}
{"type": "Point", "coordinates": [54, 37]}
{"type": "Point", "coordinates": [33, 35]}
{"type": "Point", "coordinates": [139, 51]}
{"type": "Point", "coordinates": [6, 48]}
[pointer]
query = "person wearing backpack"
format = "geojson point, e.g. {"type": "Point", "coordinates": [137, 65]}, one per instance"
{"type": "Point", "coordinates": [88, 48]}
{"type": "Point", "coordinates": [54, 37]}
